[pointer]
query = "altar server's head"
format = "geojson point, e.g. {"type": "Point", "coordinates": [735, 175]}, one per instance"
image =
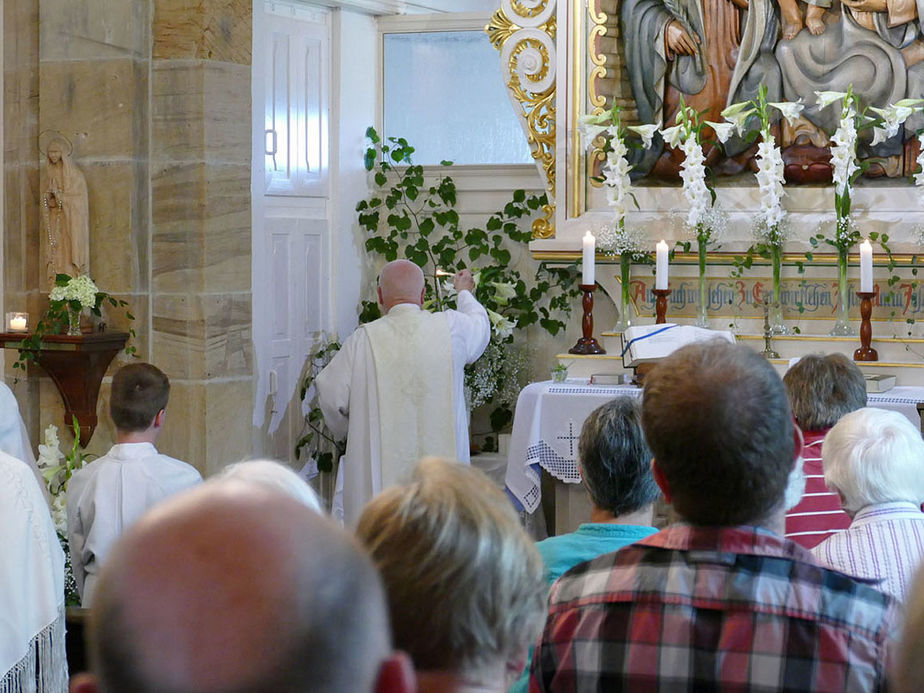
{"type": "Point", "coordinates": [401, 281]}
{"type": "Point", "coordinates": [718, 422]}
{"type": "Point", "coordinates": [822, 388]}
{"type": "Point", "coordinates": [615, 460]}
{"type": "Point", "coordinates": [138, 399]}
{"type": "Point", "coordinates": [874, 456]}
{"type": "Point", "coordinates": [235, 587]}
{"type": "Point", "coordinates": [465, 584]}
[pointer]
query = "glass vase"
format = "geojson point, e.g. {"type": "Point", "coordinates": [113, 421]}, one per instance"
{"type": "Point", "coordinates": [73, 322]}
{"type": "Point", "coordinates": [842, 326]}
{"type": "Point", "coordinates": [702, 319]}
{"type": "Point", "coordinates": [776, 304]}
{"type": "Point", "coordinates": [625, 271]}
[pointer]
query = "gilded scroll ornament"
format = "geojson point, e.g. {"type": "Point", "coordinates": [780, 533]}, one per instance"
{"type": "Point", "coordinates": [524, 32]}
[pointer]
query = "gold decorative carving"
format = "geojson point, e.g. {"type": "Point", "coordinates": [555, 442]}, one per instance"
{"type": "Point", "coordinates": [524, 32]}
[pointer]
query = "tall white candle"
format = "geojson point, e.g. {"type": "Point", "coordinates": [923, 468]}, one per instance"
{"type": "Point", "coordinates": [661, 266]}
{"type": "Point", "coordinates": [590, 256]}
{"type": "Point", "coordinates": [866, 267]}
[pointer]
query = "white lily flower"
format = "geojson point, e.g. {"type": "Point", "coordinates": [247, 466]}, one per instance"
{"type": "Point", "coordinates": [504, 291]}
{"type": "Point", "coordinates": [880, 135]}
{"type": "Point", "coordinates": [589, 132]}
{"type": "Point", "coordinates": [673, 135]}
{"type": "Point", "coordinates": [738, 114]}
{"type": "Point", "coordinates": [826, 98]}
{"type": "Point", "coordinates": [722, 130]}
{"type": "Point", "coordinates": [909, 103]}
{"type": "Point", "coordinates": [503, 326]}
{"type": "Point", "coordinates": [646, 132]}
{"type": "Point", "coordinates": [789, 109]}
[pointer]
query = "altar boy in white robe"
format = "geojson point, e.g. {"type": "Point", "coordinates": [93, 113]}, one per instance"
{"type": "Point", "coordinates": [395, 388]}
{"type": "Point", "coordinates": [110, 493]}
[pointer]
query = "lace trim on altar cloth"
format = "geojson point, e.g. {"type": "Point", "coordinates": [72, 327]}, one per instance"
{"type": "Point", "coordinates": [43, 669]}
{"type": "Point", "coordinates": [629, 390]}
{"type": "Point", "coordinates": [556, 465]}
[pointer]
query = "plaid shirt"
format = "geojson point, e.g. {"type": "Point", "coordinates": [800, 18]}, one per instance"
{"type": "Point", "coordinates": [713, 609]}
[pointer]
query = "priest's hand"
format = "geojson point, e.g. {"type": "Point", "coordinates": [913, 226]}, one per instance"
{"type": "Point", "coordinates": [678, 41]}
{"type": "Point", "coordinates": [463, 281]}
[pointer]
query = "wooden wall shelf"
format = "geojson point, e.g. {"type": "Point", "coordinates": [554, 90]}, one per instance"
{"type": "Point", "coordinates": [76, 364]}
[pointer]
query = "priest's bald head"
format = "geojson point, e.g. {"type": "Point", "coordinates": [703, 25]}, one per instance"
{"type": "Point", "coordinates": [231, 587]}
{"type": "Point", "coordinates": [401, 281]}
{"type": "Point", "coordinates": [719, 425]}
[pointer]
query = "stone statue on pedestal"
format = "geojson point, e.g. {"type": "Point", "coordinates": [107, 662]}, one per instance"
{"type": "Point", "coordinates": [65, 241]}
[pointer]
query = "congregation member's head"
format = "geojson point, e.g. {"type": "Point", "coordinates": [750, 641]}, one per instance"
{"type": "Point", "coordinates": [401, 281]}
{"type": "Point", "coordinates": [615, 461]}
{"type": "Point", "coordinates": [465, 584]}
{"type": "Point", "coordinates": [233, 588]}
{"type": "Point", "coordinates": [909, 670]}
{"type": "Point", "coordinates": [138, 401]}
{"type": "Point", "coordinates": [274, 475]}
{"type": "Point", "coordinates": [874, 456]}
{"type": "Point", "coordinates": [718, 422]}
{"type": "Point", "coordinates": [822, 388]}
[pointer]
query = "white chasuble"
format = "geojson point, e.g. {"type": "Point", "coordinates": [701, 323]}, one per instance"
{"type": "Point", "coordinates": [412, 352]}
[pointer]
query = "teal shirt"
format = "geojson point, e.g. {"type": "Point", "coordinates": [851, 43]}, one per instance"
{"type": "Point", "coordinates": [560, 554]}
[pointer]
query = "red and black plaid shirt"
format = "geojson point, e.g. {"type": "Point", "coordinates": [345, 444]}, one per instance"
{"type": "Point", "coordinates": [713, 609]}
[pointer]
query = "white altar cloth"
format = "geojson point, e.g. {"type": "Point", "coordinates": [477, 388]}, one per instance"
{"type": "Point", "coordinates": [549, 416]}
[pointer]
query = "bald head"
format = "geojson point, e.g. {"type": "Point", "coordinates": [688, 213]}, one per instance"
{"type": "Point", "coordinates": [401, 281]}
{"type": "Point", "coordinates": [233, 587]}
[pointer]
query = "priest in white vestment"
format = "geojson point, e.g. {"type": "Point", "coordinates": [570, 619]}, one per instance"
{"type": "Point", "coordinates": [112, 492]}
{"type": "Point", "coordinates": [396, 387]}
{"type": "Point", "coordinates": [32, 653]}
{"type": "Point", "coordinates": [14, 439]}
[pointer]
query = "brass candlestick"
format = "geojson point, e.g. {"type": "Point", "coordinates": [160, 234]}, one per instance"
{"type": "Point", "coordinates": [587, 344]}
{"type": "Point", "coordinates": [866, 352]}
{"type": "Point", "coordinates": [769, 352]}
{"type": "Point", "coordinates": [661, 304]}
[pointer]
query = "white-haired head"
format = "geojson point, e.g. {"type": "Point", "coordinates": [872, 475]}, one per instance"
{"type": "Point", "coordinates": [275, 475]}
{"type": "Point", "coordinates": [874, 456]}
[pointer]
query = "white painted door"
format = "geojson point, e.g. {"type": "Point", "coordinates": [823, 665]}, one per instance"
{"type": "Point", "coordinates": [292, 245]}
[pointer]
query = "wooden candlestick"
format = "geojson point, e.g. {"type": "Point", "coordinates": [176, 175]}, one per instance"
{"type": "Point", "coordinates": [661, 304]}
{"type": "Point", "coordinates": [587, 344]}
{"type": "Point", "coordinates": [866, 352]}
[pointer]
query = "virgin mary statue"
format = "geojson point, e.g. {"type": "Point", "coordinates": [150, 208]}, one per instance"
{"type": "Point", "coordinates": [65, 215]}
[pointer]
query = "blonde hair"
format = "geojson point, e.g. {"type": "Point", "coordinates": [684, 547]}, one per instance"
{"type": "Point", "coordinates": [465, 584]}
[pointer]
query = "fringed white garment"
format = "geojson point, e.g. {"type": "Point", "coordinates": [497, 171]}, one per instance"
{"type": "Point", "coordinates": [32, 653]}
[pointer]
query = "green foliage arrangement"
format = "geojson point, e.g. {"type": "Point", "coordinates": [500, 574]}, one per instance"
{"type": "Point", "coordinates": [316, 438]}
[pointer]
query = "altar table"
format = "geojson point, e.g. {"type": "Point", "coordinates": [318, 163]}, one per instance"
{"type": "Point", "coordinates": [549, 416]}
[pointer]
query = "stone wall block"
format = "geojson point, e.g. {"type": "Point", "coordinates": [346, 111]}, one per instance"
{"type": "Point", "coordinates": [227, 231]}
{"type": "Point", "coordinates": [179, 335]}
{"type": "Point", "coordinates": [208, 30]}
{"type": "Point", "coordinates": [96, 105]}
{"type": "Point", "coordinates": [178, 209]}
{"type": "Point", "coordinates": [111, 189]}
{"type": "Point", "coordinates": [229, 411]}
{"type": "Point", "coordinates": [184, 433]}
{"type": "Point", "coordinates": [227, 104]}
{"type": "Point", "coordinates": [229, 336]}
{"type": "Point", "coordinates": [177, 111]}
{"type": "Point", "coordinates": [94, 29]}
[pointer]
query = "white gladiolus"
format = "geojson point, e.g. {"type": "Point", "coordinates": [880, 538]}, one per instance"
{"type": "Point", "coordinates": [722, 130]}
{"type": "Point", "coordinates": [844, 153]}
{"type": "Point", "coordinates": [693, 175]}
{"type": "Point", "coordinates": [826, 98]}
{"type": "Point", "coordinates": [789, 109]}
{"type": "Point", "coordinates": [770, 182]}
{"type": "Point", "coordinates": [646, 132]}
{"type": "Point", "coordinates": [673, 136]}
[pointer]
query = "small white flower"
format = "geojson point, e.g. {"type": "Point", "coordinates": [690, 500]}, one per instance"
{"type": "Point", "coordinates": [826, 98]}
{"type": "Point", "coordinates": [674, 135]}
{"type": "Point", "coordinates": [722, 130]}
{"type": "Point", "coordinates": [646, 132]}
{"type": "Point", "coordinates": [789, 109]}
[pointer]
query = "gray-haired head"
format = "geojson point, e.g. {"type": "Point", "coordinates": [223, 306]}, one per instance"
{"type": "Point", "coordinates": [615, 460]}
{"type": "Point", "coordinates": [822, 388]}
{"type": "Point", "coordinates": [874, 456]}
{"type": "Point", "coordinates": [273, 475]}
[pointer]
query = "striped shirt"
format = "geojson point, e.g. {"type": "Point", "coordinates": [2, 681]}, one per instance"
{"type": "Point", "coordinates": [818, 515]}
{"type": "Point", "coordinates": [885, 542]}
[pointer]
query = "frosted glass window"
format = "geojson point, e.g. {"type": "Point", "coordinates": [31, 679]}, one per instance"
{"type": "Point", "coordinates": [444, 93]}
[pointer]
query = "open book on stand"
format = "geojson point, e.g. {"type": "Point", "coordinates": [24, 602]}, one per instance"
{"type": "Point", "coordinates": [647, 343]}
